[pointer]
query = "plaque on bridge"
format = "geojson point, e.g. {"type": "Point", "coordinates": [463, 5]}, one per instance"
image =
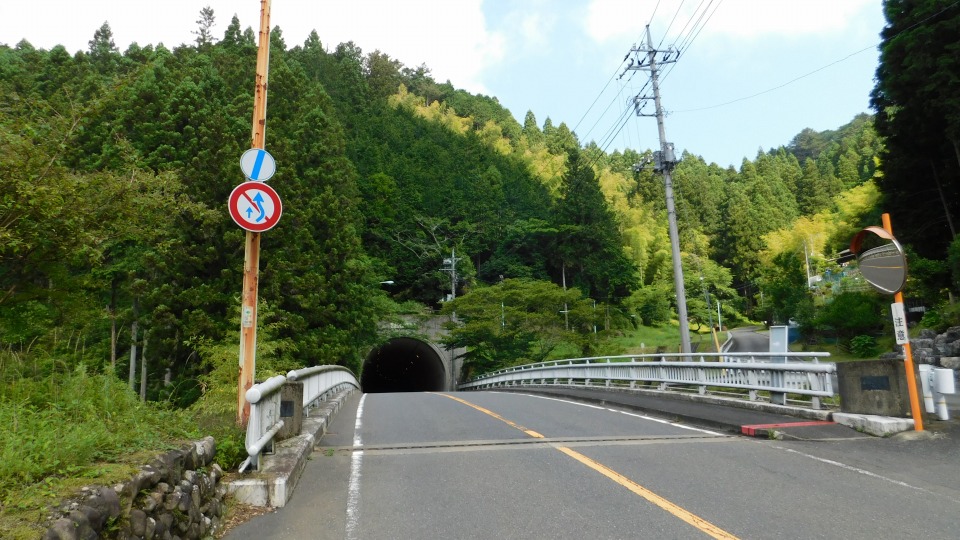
{"type": "Point", "coordinates": [876, 387]}
{"type": "Point", "coordinates": [875, 382]}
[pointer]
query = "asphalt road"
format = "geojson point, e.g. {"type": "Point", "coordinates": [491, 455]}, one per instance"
{"type": "Point", "coordinates": [510, 465]}
{"type": "Point", "coordinates": [747, 340]}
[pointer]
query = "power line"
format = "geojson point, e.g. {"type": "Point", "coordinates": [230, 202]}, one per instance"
{"type": "Point", "coordinates": [819, 69]}
{"type": "Point", "coordinates": [767, 91]}
{"type": "Point", "coordinates": [697, 18]}
{"type": "Point", "coordinates": [614, 100]}
{"type": "Point", "coordinates": [620, 122]}
{"type": "Point", "coordinates": [692, 16]}
{"type": "Point", "coordinates": [587, 134]}
{"type": "Point", "coordinates": [652, 15]}
{"type": "Point", "coordinates": [698, 26]}
{"type": "Point", "coordinates": [615, 129]}
{"type": "Point", "coordinates": [599, 95]}
{"type": "Point", "coordinates": [686, 44]}
{"type": "Point", "coordinates": [675, 15]}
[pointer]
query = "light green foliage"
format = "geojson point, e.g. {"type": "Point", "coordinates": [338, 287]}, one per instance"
{"type": "Point", "coordinates": [518, 321]}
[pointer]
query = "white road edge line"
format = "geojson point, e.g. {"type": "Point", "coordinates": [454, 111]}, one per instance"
{"type": "Point", "coordinates": [642, 416]}
{"type": "Point", "coordinates": [859, 471]}
{"type": "Point", "coordinates": [353, 491]}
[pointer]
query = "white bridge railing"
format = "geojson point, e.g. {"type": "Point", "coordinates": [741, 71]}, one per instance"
{"type": "Point", "coordinates": [780, 374]}
{"type": "Point", "coordinates": [264, 399]}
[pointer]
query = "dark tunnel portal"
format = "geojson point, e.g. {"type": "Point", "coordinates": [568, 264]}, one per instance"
{"type": "Point", "coordinates": [403, 365]}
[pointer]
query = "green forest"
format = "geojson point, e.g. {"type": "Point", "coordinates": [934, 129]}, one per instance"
{"type": "Point", "coordinates": [116, 243]}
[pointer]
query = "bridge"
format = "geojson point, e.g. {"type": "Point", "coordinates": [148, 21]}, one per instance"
{"type": "Point", "coordinates": [574, 461]}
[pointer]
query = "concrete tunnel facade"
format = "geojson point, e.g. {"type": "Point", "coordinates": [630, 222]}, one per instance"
{"type": "Point", "coordinates": [406, 364]}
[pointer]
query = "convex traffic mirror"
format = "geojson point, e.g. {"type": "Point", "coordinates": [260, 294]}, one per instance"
{"type": "Point", "coordinates": [881, 259]}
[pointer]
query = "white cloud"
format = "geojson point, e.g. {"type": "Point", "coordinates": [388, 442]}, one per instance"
{"type": "Point", "coordinates": [616, 19]}
{"type": "Point", "coordinates": [451, 37]}
{"type": "Point", "coordinates": [755, 18]}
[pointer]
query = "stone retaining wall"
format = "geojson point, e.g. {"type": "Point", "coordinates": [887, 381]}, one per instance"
{"type": "Point", "coordinates": [178, 496]}
{"type": "Point", "coordinates": [928, 347]}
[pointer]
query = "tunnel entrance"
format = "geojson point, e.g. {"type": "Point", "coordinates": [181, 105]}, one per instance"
{"type": "Point", "coordinates": [403, 365]}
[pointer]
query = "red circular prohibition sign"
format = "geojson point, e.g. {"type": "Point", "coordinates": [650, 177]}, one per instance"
{"type": "Point", "coordinates": [255, 206]}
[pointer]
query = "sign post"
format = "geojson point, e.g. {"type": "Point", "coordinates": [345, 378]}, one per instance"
{"type": "Point", "coordinates": [885, 267]}
{"type": "Point", "coordinates": [907, 352]}
{"type": "Point", "coordinates": [251, 251]}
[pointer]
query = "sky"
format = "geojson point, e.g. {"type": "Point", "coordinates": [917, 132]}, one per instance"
{"type": "Point", "coordinates": [749, 76]}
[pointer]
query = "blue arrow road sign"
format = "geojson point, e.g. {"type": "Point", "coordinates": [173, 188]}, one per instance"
{"type": "Point", "coordinates": [257, 164]}
{"type": "Point", "coordinates": [255, 206]}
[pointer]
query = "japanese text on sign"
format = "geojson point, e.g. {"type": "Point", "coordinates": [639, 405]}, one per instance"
{"type": "Point", "coordinates": [899, 323]}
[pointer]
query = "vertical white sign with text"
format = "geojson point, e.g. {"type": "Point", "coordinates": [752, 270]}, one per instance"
{"type": "Point", "coordinates": [899, 323]}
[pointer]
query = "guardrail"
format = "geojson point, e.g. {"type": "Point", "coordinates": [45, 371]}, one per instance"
{"type": "Point", "coordinates": [318, 381]}
{"type": "Point", "coordinates": [264, 399]}
{"type": "Point", "coordinates": [778, 373]}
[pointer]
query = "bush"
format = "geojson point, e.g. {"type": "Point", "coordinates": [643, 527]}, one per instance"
{"type": "Point", "coordinates": [851, 314]}
{"type": "Point", "coordinates": [863, 346]}
{"type": "Point", "coordinates": [652, 304]}
{"type": "Point", "coordinates": [942, 317]}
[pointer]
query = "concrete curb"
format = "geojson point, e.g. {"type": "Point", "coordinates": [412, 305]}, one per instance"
{"type": "Point", "coordinates": [274, 485]}
{"type": "Point", "coordinates": [760, 406]}
{"type": "Point", "coordinates": [879, 426]}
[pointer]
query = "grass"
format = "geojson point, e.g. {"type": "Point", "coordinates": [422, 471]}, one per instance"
{"type": "Point", "coordinates": [839, 352]}
{"type": "Point", "coordinates": [643, 340]}
{"type": "Point", "coordinates": [66, 430]}
{"type": "Point", "coordinates": [650, 339]}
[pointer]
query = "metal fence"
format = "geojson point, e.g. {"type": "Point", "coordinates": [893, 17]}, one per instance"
{"type": "Point", "coordinates": [780, 374]}
{"type": "Point", "coordinates": [264, 399]}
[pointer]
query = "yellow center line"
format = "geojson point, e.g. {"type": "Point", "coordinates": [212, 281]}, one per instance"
{"type": "Point", "coordinates": [683, 514]}
{"type": "Point", "coordinates": [529, 432]}
{"type": "Point", "coordinates": [679, 512]}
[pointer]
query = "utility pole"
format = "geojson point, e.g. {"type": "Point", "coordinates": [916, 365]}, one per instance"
{"type": "Point", "coordinates": [251, 258]}
{"type": "Point", "coordinates": [664, 162]}
{"type": "Point", "coordinates": [566, 308]}
{"type": "Point", "coordinates": [450, 265]}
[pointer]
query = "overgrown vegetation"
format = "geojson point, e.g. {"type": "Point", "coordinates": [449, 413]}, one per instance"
{"type": "Point", "coordinates": [65, 427]}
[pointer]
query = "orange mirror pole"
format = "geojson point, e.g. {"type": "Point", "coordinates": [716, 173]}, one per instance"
{"type": "Point", "coordinates": [907, 356]}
